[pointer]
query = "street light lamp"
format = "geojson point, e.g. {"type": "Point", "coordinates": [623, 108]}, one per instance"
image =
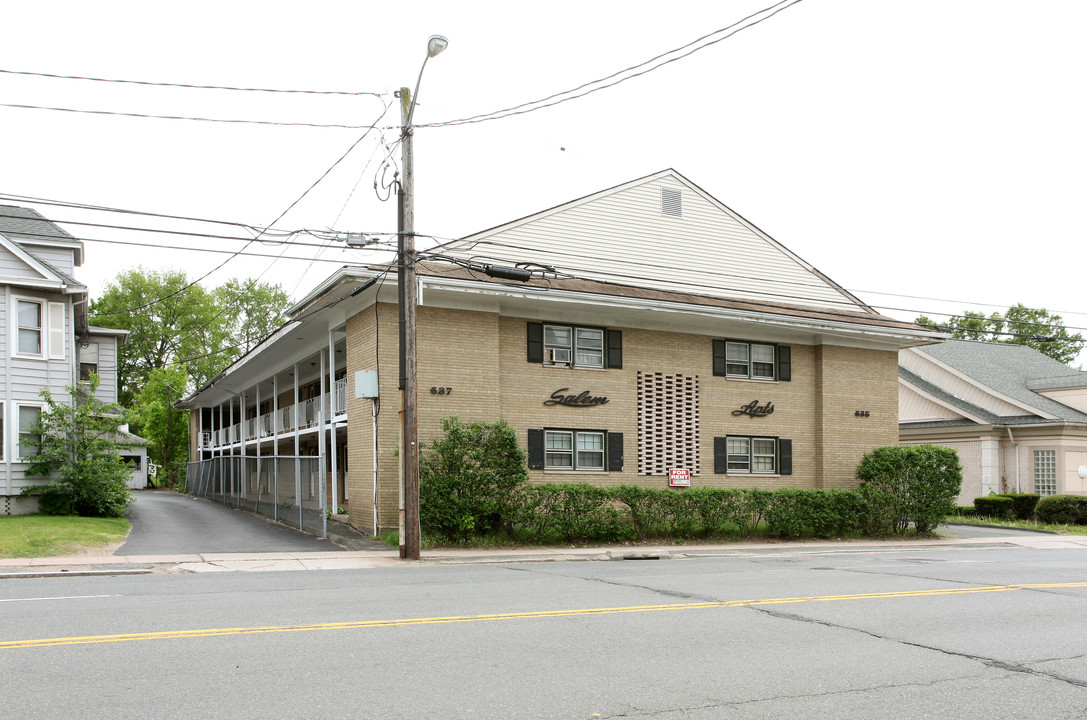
{"type": "Point", "coordinates": [406, 298]}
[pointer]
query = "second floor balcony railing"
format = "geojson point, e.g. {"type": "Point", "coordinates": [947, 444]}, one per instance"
{"type": "Point", "coordinates": [281, 420]}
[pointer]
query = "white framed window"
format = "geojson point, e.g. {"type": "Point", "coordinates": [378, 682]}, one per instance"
{"type": "Point", "coordinates": [88, 361]}
{"type": "Point", "coordinates": [29, 316]}
{"type": "Point", "coordinates": [1045, 472]}
{"type": "Point", "coordinates": [574, 450]}
{"type": "Point", "coordinates": [751, 454]}
{"type": "Point", "coordinates": [28, 416]}
{"type": "Point", "coordinates": [749, 360]}
{"type": "Point", "coordinates": [581, 346]}
{"type": "Point", "coordinates": [39, 329]}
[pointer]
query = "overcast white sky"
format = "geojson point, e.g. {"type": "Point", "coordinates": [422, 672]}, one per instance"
{"type": "Point", "coordinates": [912, 151]}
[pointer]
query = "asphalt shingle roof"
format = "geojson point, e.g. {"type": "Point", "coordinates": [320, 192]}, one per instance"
{"type": "Point", "coordinates": [26, 223]}
{"type": "Point", "coordinates": [1012, 370]}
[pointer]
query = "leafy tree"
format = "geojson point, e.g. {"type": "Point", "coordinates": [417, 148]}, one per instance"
{"type": "Point", "coordinates": [252, 310]}
{"type": "Point", "coordinates": [79, 441]}
{"type": "Point", "coordinates": [172, 321]}
{"type": "Point", "coordinates": [1020, 325]}
{"type": "Point", "coordinates": [469, 478]}
{"type": "Point", "coordinates": [166, 426]}
{"type": "Point", "coordinates": [168, 320]}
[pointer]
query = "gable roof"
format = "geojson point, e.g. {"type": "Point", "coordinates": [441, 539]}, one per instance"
{"type": "Point", "coordinates": [27, 226]}
{"type": "Point", "coordinates": [22, 230]}
{"type": "Point", "coordinates": [1005, 371]}
{"type": "Point", "coordinates": [632, 234]}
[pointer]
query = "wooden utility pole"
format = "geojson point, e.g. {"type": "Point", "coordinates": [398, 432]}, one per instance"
{"type": "Point", "coordinates": [406, 288]}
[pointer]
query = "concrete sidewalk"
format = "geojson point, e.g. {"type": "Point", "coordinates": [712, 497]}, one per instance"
{"type": "Point", "coordinates": [389, 558]}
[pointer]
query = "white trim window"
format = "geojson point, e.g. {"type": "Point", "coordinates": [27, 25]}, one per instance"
{"type": "Point", "coordinates": [1045, 472]}
{"type": "Point", "coordinates": [88, 361]}
{"type": "Point", "coordinates": [27, 417]}
{"type": "Point", "coordinates": [29, 314]}
{"type": "Point", "coordinates": [574, 450]}
{"type": "Point", "coordinates": [752, 454]}
{"type": "Point", "coordinates": [582, 346]}
{"type": "Point", "coordinates": [749, 360]}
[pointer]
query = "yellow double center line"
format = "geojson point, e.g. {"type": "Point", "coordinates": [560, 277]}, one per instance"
{"type": "Point", "coordinates": [363, 624]}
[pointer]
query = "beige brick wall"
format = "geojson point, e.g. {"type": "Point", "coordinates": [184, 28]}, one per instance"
{"type": "Point", "coordinates": [850, 380]}
{"type": "Point", "coordinates": [481, 358]}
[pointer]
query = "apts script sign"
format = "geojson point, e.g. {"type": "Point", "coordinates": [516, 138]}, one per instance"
{"type": "Point", "coordinates": [583, 399]}
{"type": "Point", "coordinates": [753, 409]}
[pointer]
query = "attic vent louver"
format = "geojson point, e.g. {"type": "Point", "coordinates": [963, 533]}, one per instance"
{"type": "Point", "coordinates": [671, 202]}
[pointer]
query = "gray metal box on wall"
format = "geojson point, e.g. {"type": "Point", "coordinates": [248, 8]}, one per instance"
{"type": "Point", "coordinates": [366, 384]}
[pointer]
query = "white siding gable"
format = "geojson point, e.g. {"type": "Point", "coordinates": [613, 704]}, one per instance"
{"type": "Point", "coordinates": [914, 407]}
{"type": "Point", "coordinates": [664, 232]}
{"type": "Point", "coordinates": [14, 267]}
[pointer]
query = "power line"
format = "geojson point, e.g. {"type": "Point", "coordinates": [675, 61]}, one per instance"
{"type": "Point", "coordinates": [184, 117]}
{"type": "Point", "coordinates": [280, 217]}
{"type": "Point", "coordinates": [184, 248]}
{"type": "Point", "coordinates": [618, 77]}
{"type": "Point", "coordinates": [187, 86]}
{"type": "Point", "coordinates": [573, 274]}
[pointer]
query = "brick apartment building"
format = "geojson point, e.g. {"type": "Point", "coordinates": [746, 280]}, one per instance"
{"type": "Point", "coordinates": [660, 331]}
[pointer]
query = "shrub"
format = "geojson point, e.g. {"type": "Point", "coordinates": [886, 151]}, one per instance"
{"type": "Point", "coordinates": [469, 478]}
{"type": "Point", "coordinates": [995, 506]}
{"type": "Point", "coordinates": [905, 483]}
{"type": "Point", "coordinates": [965, 510]}
{"type": "Point", "coordinates": [575, 512]}
{"type": "Point", "coordinates": [1023, 504]}
{"type": "Point", "coordinates": [1062, 510]}
{"type": "Point", "coordinates": [822, 513]}
{"type": "Point", "coordinates": [79, 448]}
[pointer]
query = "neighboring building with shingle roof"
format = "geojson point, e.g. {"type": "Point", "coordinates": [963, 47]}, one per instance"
{"type": "Point", "coordinates": [1017, 417]}
{"type": "Point", "coordinates": [45, 341]}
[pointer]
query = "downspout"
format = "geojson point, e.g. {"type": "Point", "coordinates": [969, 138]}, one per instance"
{"type": "Point", "coordinates": [1011, 439]}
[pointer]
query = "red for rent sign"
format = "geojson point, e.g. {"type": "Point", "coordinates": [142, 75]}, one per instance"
{"type": "Point", "coordinates": [679, 477]}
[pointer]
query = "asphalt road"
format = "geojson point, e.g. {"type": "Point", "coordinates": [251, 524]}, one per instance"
{"type": "Point", "coordinates": [940, 632]}
{"type": "Point", "coordinates": [166, 523]}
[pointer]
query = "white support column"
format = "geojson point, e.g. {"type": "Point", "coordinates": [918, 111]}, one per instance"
{"type": "Point", "coordinates": [259, 429]}
{"type": "Point", "coordinates": [297, 450]}
{"type": "Point", "coordinates": [322, 446]}
{"type": "Point", "coordinates": [332, 419]}
{"type": "Point", "coordinates": [275, 431]}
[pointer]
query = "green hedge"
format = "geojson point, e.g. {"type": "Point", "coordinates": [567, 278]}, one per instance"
{"type": "Point", "coordinates": [995, 506]}
{"type": "Point", "coordinates": [1023, 504]}
{"type": "Point", "coordinates": [1062, 509]}
{"type": "Point", "coordinates": [568, 513]}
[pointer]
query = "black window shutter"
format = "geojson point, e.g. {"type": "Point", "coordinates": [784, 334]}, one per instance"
{"type": "Point", "coordinates": [719, 358]}
{"type": "Point", "coordinates": [535, 449]}
{"type": "Point", "coordinates": [535, 342]}
{"type": "Point", "coordinates": [720, 454]}
{"type": "Point", "coordinates": [615, 348]}
{"type": "Point", "coordinates": [615, 451]}
{"type": "Point", "coordinates": [785, 457]}
{"type": "Point", "coordinates": [785, 364]}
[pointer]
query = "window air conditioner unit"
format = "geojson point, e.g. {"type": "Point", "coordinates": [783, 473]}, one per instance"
{"type": "Point", "coordinates": [558, 355]}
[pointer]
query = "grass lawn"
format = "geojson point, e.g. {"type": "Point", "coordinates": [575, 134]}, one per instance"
{"type": "Point", "coordinates": [1025, 524]}
{"type": "Point", "coordinates": [24, 536]}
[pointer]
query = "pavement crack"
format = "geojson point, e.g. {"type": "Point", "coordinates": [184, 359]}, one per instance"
{"type": "Point", "coordinates": [614, 583]}
{"type": "Point", "coordinates": [990, 662]}
{"type": "Point", "coordinates": [723, 704]}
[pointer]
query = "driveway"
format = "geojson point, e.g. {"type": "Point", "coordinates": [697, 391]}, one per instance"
{"type": "Point", "coordinates": [167, 523]}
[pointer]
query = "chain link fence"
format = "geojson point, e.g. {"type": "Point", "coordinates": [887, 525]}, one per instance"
{"type": "Point", "coordinates": [287, 489]}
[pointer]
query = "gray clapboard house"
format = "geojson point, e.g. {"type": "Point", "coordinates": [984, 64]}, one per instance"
{"type": "Point", "coordinates": [45, 341]}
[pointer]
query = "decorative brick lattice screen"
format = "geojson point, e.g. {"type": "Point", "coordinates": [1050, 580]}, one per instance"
{"type": "Point", "coordinates": [667, 423]}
